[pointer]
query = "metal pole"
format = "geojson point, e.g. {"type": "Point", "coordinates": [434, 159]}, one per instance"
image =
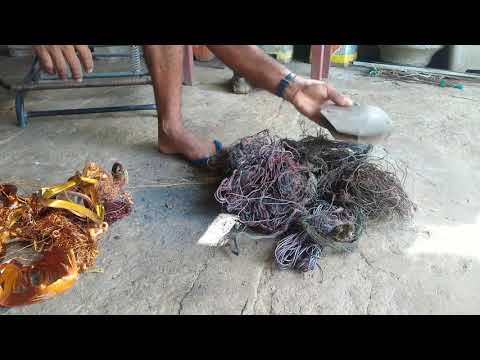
{"type": "Point", "coordinates": [92, 110]}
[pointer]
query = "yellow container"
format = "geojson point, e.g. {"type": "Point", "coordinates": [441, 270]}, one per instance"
{"type": "Point", "coordinates": [283, 53]}
{"type": "Point", "coordinates": [344, 56]}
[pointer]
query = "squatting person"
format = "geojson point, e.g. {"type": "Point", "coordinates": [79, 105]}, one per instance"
{"type": "Point", "coordinates": [166, 70]}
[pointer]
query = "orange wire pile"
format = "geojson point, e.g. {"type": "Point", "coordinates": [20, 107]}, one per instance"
{"type": "Point", "coordinates": [61, 225]}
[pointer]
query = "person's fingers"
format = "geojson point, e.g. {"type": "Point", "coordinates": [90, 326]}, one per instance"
{"type": "Point", "coordinates": [338, 98]}
{"type": "Point", "coordinates": [59, 62]}
{"type": "Point", "coordinates": [46, 63]}
{"type": "Point", "coordinates": [85, 56]}
{"type": "Point", "coordinates": [73, 61]}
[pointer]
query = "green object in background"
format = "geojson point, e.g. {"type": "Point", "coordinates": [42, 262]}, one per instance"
{"type": "Point", "coordinates": [374, 72]}
{"type": "Point", "coordinates": [444, 83]}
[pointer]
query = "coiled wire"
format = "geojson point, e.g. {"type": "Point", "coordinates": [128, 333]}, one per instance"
{"type": "Point", "coordinates": [135, 60]}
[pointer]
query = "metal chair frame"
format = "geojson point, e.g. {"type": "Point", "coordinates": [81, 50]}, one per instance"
{"type": "Point", "coordinates": [36, 80]}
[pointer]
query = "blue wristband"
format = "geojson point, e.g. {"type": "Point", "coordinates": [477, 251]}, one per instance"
{"type": "Point", "coordinates": [284, 83]}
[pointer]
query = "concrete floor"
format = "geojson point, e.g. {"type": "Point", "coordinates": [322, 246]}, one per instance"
{"type": "Point", "coordinates": [151, 262]}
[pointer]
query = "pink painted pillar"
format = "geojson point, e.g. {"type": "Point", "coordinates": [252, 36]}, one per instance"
{"type": "Point", "coordinates": [188, 66]}
{"type": "Point", "coordinates": [320, 62]}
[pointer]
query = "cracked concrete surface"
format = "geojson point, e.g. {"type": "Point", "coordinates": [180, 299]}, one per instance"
{"type": "Point", "coordinates": [151, 263]}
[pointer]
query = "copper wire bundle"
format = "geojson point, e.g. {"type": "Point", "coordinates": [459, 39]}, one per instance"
{"type": "Point", "coordinates": [58, 231]}
{"type": "Point", "coordinates": [118, 209]}
{"type": "Point", "coordinates": [297, 251]}
{"type": "Point", "coordinates": [334, 226]}
{"type": "Point", "coordinates": [269, 189]}
{"type": "Point", "coordinates": [368, 185]}
{"type": "Point", "coordinates": [315, 192]}
{"type": "Point", "coordinates": [61, 225]}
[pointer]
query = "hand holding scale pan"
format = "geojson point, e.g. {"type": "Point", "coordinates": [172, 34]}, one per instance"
{"type": "Point", "coordinates": [356, 123]}
{"type": "Point", "coordinates": [345, 120]}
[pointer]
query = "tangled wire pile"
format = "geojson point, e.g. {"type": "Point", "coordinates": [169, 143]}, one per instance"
{"type": "Point", "coordinates": [61, 225]}
{"type": "Point", "coordinates": [313, 193]}
{"type": "Point", "coordinates": [269, 188]}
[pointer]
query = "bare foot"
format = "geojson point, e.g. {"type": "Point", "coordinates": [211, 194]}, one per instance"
{"type": "Point", "coordinates": [180, 141]}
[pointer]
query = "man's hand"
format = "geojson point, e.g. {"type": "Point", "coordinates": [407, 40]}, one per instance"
{"type": "Point", "coordinates": [308, 96]}
{"type": "Point", "coordinates": [54, 59]}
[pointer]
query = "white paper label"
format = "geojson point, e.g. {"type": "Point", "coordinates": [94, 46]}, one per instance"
{"type": "Point", "coordinates": [217, 230]}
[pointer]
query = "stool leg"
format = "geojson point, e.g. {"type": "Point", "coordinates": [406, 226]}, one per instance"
{"type": "Point", "coordinates": [22, 116]}
{"type": "Point", "coordinates": [326, 61]}
{"type": "Point", "coordinates": [188, 65]}
{"type": "Point", "coordinates": [320, 62]}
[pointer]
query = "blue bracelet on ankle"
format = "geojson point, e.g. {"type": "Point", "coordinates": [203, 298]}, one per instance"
{"type": "Point", "coordinates": [284, 83]}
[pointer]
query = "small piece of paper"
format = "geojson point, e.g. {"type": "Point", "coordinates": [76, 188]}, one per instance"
{"type": "Point", "coordinates": [217, 230]}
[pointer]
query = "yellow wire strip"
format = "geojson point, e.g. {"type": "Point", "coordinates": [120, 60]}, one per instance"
{"type": "Point", "coordinates": [48, 193]}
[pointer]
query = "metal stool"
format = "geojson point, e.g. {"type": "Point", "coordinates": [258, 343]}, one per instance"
{"type": "Point", "coordinates": [36, 80]}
